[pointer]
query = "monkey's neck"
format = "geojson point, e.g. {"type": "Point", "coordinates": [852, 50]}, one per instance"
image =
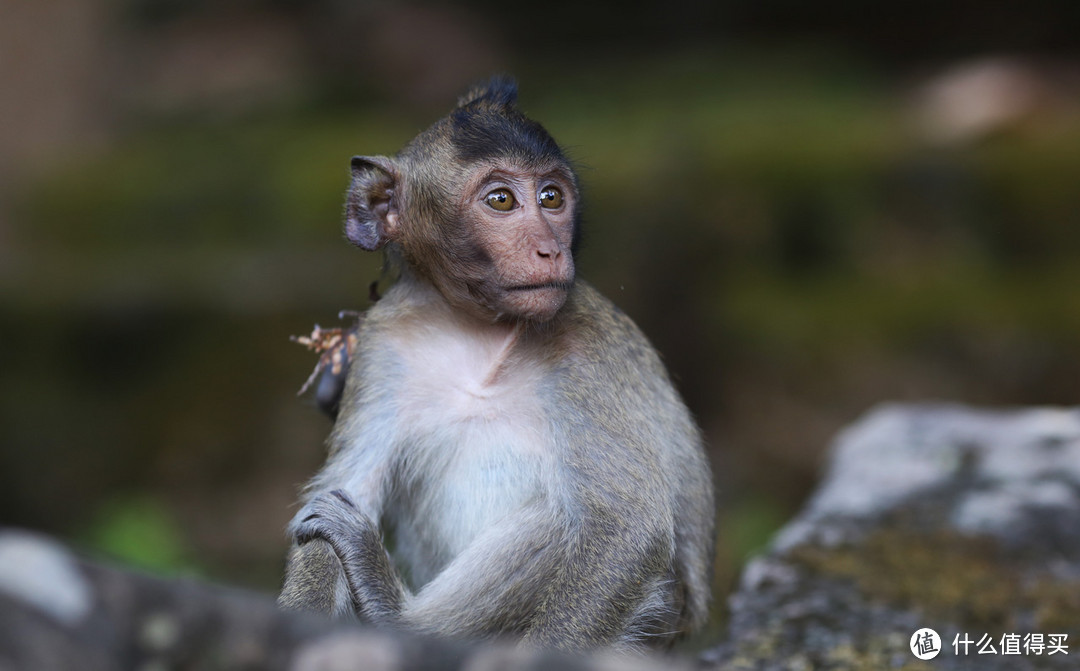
{"type": "Point", "coordinates": [500, 340]}
{"type": "Point", "coordinates": [499, 363]}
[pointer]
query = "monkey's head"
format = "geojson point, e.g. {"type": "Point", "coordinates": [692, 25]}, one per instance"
{"type": "Point", "coordinates": [483, 204]}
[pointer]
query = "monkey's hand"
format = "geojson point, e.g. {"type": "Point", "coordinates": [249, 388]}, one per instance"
{"type": "Point", "coordinates": [332, 519]}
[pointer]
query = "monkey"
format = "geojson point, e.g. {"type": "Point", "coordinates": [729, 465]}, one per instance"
{"type": "Point", "coordinates": [503, 427]}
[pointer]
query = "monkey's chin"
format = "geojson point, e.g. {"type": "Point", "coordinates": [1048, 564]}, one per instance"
{"type": "Point", "coordinates": [540, 302]}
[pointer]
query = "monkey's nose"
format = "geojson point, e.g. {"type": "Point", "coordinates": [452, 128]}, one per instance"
{"type": "Point", "coordinates": [548, 249]}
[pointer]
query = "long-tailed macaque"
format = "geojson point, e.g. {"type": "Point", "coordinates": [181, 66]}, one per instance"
{"type": "Point", "coordinates": [508, 432]}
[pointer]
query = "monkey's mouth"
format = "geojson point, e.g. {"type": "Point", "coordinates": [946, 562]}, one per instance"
{"type": "Point", "coordinates": [537, 301]}
{"type": "Point", "coordinates": [561, 286]}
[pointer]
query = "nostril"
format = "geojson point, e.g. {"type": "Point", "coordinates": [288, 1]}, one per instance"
{"type": "Point", "coordinates": [548, 252]}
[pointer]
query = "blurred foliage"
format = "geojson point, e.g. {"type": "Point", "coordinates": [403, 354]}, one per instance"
{"type": "Point", "coordinates": [236, 184]}
{"type": "Point", "coordinates": [139, 531]}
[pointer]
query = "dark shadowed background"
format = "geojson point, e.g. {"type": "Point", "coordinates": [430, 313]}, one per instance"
{"type": "Point", "coordinates": [810, 208]}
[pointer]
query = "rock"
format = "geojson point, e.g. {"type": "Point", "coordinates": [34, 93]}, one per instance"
{"type": "Point", "coordinates": [966, 522]}
{"type": "Point", "coordinates": [59, 613]}
{"type": "Point", "coordinates": [42, 574]}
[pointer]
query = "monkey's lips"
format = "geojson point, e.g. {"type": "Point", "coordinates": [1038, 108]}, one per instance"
{"type": "Point", "coordinates": [559, 285]}
{"type": "Point", "coordinates": [538, 301]}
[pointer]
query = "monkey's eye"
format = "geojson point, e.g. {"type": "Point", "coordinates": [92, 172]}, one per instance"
{"type": "Point", "coordinates": [500, 199]}
{"type": "Point", "coordinates": [551, 198]}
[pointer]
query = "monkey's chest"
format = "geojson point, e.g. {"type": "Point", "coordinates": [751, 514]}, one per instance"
{"type": "Point", "coordinates": [473, 452]}
{"type": "Point", "coordinates": [470, 473]}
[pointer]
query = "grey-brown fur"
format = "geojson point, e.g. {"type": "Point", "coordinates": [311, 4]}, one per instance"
{"type": "Point", "coordinates": [589, 519]}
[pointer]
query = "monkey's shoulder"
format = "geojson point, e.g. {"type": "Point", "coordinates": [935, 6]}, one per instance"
{"type": "Point", "coordinates": [597, 330]}
{"type": "Point", "coordinates": [616, 379]}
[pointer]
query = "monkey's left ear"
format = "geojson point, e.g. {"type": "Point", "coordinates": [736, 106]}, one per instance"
{"type": "Point", "coordinates": [371, 213]}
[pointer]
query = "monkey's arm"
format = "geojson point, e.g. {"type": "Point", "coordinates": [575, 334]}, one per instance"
{"type": "Point", "coordinates": [329, 525]}
{"type": "Point", "coordinates": [339, 565]}
{"type": "Point", "coordinates": [603, 591]}
{"type": "Point", "coordinates": [557, 582]}
{"type": "Point", "coordinates": [561, 579]}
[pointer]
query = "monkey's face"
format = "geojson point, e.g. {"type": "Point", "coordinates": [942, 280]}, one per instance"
{"type": "Point", "coordinates": [519, 222]}
{"type": "Point", "coordinates": [483, 204]}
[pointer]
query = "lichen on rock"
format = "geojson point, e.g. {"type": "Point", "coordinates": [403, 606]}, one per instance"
{"type": "Point", "coordinates": [963, 521]}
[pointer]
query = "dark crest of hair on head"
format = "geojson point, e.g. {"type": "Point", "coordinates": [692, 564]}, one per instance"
{"type": "Point", "coordinates": [487, 124]}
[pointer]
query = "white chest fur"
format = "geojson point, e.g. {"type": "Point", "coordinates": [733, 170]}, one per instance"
{"type": "Point", "coordinates": [471, 421]}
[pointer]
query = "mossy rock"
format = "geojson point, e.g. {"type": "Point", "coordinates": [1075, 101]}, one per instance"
{"type": "Point", "coordinates": [962, 521]}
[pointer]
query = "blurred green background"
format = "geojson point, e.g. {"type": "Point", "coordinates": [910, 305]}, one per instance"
{"type": "Point", "coordinates": [809, 210]}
